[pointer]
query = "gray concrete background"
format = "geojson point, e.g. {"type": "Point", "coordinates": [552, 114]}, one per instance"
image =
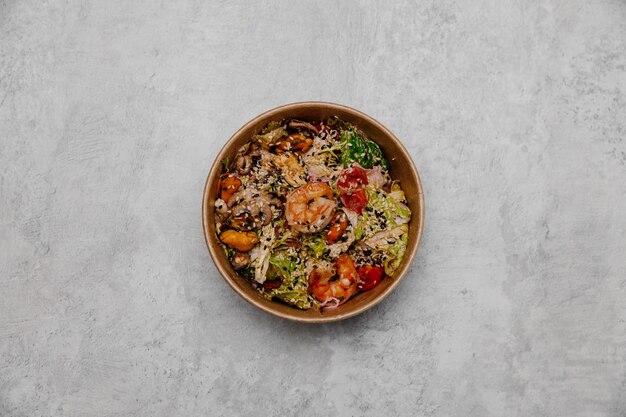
{"type": "Point", "coordinates": [111, 113]}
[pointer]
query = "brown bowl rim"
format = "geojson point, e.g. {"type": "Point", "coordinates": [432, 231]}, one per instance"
{"type": "Point", "coordinates": [257, 301]}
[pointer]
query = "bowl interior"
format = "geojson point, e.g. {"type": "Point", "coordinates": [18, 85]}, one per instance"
{"type": "Point", "coordinates": [401, 168]}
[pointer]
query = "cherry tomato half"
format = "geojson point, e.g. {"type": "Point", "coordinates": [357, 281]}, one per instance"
{"type": "Point", "coordinates": [369, 277]}
{"type": "Point", "coordinates": [351, 179]}
{"type": "Point", "coordinates": [355, 201]}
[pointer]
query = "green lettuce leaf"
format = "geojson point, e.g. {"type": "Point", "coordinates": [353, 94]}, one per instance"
{"type": "Point", "coordinates": [272, 132]}
{"type": "Point", "coordinates": [293, 289]}
{"type": "Point", "coordinates": [315, 245]}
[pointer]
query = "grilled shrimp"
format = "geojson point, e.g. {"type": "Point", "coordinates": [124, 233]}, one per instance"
{"type": "Point", "coordinates": [309, 208]}
{"type": "Point", "coordinates": [332, 290]}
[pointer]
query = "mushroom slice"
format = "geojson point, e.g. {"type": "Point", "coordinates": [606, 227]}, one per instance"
{"type": "Point", "coordinates": [301, 125]}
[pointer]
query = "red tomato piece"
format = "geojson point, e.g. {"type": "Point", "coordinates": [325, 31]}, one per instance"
{"type": "Point", "coordinates": [355, 201]}
{"type": "Point", "coordinates": [351, 179]}
{"type": "Point", "coordinates": [350, 185]}
{"type": "Point", "coordinates": [337, 227]}
{"type": "Point", "coordinates": [369, 277]}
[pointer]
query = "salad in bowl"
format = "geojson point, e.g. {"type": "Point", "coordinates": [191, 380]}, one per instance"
{"type": "Point", "coordinates": [308, 213]}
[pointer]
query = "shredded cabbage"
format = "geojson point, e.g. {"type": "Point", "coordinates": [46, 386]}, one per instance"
{"type": "Point", "coordinates": [367, 225]}
{"type": "Point", "coordinates": [395, 211]}
{"type": "Point", "coordinates": [392, 244]}
{"type": "Point", "coordinates": [383, 211]}
{"type": "Point", "coordinates": [395, 254]}
{"type": "Point", "coordinates": [396, 193]}
{"type": "Point", "coordinates": [321, 158]}
{"type": "Point", "coordinates": [262, 261]}
{"type": "Point", "coordinates": [385, 239]}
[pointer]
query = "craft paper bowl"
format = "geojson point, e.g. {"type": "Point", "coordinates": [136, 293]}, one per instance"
{"type": "Point", "coordinates": [402, 168]}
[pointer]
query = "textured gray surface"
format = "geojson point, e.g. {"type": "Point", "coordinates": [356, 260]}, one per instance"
{"type": "Point", "coordinates": [111, 113]}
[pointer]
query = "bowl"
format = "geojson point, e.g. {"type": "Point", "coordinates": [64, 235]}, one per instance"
{"type": "Point", "coordinates": [401, 168]}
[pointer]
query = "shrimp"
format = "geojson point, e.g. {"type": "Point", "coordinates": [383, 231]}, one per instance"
{"type": "Point", "coordinates": [332, 290]}
{"type": "Point", "coordinates": [309, 209]}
